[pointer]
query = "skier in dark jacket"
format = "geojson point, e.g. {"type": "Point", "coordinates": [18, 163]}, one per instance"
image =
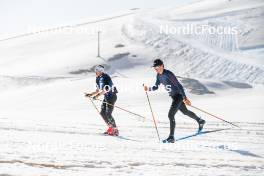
{"type": "Point", "coordinates": [105, 87]}
{"type": "Point", "coordinates": [176, 92]}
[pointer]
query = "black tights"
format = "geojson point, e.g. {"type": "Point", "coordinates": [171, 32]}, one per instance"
{"type": "Point", "coordinates": [107, 109]}
{"type": "Point", "coordinates": [178, 104]}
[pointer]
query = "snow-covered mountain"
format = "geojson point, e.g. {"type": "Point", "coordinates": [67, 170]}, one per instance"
{"type": "Point", "coordinates": [49, 128]}
{"type": "Point", "coordinates": [225, 57]}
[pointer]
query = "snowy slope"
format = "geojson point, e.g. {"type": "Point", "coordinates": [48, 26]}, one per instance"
{"type": "Point", "coordinates": [207, 56]}
{"type": "Point", "coordinates": [53, 130]}
{"type": "Point", "coordinates": [49, 128]}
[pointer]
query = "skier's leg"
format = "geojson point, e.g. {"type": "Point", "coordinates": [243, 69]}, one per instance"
{"type": "Point", "coordinates": [189, 113]}
{"type": "Point", "coordinates": [109, 110]}
{"type": "Point", "coordinates": [176, 103]}
{"type": "Point", "coordinates": [103, 111]}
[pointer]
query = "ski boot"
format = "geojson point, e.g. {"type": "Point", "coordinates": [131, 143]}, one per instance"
{"type": "Point", "coordinates": [170, 139]}
{"type": "Point", "coordinates": [201, 123]}
{"type": "Point", "coordinates": [115, 132]}
{"type": "Point", "coordinates": [112, 131]}
{"type": "Point", "coordinates": [109, 130]}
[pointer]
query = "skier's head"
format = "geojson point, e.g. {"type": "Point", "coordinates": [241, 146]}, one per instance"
{"type": "Point", "coordinates": [99, 70]}
{"type": "Point", "coordinates": [158, 66]}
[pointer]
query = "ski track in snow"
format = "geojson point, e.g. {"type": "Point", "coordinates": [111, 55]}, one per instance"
{"type": "Point", "coordinates": [68, 150]}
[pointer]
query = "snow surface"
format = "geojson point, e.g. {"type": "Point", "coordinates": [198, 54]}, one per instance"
{"type": "Point", "coordinates": [49, 128]}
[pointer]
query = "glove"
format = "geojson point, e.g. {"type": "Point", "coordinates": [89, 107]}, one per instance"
{"type": "Point", "coordinates": [146, 88]}
{"type": "Point", "coordinates": [88, 94]}
{"type": "Point", "coordinates": [187, 101]}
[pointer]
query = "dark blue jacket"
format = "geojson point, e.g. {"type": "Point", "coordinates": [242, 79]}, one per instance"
{"type": "Point", "coordinates": [104, 82]}
{"type": "Point", "coordinates": [171, 83]}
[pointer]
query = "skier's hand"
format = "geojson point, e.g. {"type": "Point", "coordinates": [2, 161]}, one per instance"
{"type": "Point", "coordinates": [187, 101]}
{"type": "Point", "coordinates": [146, 88]}
{"type": "Point", "coordinates": [88, 94]}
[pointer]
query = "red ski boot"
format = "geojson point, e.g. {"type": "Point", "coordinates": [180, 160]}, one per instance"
{"type": "Point", "coordinates": [109, 130]}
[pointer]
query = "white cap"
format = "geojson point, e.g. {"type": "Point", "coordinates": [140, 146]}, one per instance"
{"type": "Point", "coordinates": [99, 68]}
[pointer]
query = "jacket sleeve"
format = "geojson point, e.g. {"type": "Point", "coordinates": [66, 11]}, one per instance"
{"type": "Point", "coordinates": [178, 84]}
{"type": "Point", "coordinates": [156, 86]}
{"type": "Point", "coordinates": [182, 90]}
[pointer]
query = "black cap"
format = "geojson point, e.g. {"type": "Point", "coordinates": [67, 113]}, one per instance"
{"type": "Point", "coordinates": [157, 62]}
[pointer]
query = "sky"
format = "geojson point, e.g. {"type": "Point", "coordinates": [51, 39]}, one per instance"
{"type": "Point", "coordinates": [17, 15]}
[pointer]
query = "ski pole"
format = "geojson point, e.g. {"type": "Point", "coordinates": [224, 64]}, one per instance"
{"type": "Point", "coordinates": [214, 116]}
{"type": "Point", "coordinates": [152, 114]}
{"type": "Point", "coordinates": [144, 118]}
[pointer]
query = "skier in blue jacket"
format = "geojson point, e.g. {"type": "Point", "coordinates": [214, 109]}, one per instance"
{"type": "Point", "coordinates": [105, 87]}
{"type": "Point", "coordinates": [176, 92]}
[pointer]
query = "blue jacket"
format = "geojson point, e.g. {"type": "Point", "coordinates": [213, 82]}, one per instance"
{"type": "Point", "coordinates": [171, 83]}
{"type": "Point", "coordinates": [104, 82]}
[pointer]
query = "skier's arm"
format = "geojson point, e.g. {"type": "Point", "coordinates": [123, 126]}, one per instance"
{"type": "Point", "coordinates": [100, 89]}
{"type": "Point", "coordinates": [99, 93]}
{"type": "Point", "coordinates": [156, 86]}
{"type": "Point", "coordinates": [185, 99]}
{"type": "Point", "coordinates": [174, 80]}
{"type": "Point", "coordinates": [92, 93]}
{"type": "Point", "coordinates": [182, 90]}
